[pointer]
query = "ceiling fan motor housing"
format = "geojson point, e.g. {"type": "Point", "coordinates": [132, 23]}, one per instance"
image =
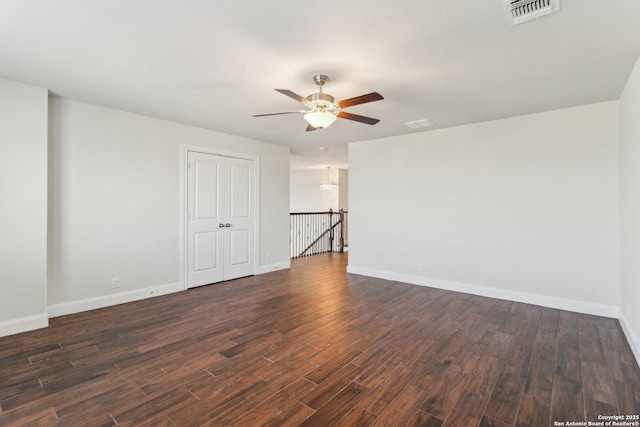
{"type": "Point", "coordinates": [321, 100]}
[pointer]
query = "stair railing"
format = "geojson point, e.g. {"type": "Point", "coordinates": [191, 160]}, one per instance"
{"type": "Point", "coordinates": [317, 232]}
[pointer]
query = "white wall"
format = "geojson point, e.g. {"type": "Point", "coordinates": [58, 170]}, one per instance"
{"type": "Point", "coordinates": [115, 198]}
{"type": "Point", "coordinates": [306, 195]}
{"type": "Point", "coordinates": [23, 207]}
{"type": "Point", "coordinates": [630, 208]}
{"type": "Point", "coordinates": [343, 189]}
{"type": "Point", "coordinates": [525, 208]}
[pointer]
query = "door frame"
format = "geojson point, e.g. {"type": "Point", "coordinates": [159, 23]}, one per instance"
{"type": "Point", "coordinates": [184, 170]}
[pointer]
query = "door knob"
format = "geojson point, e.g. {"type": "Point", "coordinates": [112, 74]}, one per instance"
{"type": "Point", "coordinates": [221, 225]}
{"type": "Point", "coordinates": [227, 225]}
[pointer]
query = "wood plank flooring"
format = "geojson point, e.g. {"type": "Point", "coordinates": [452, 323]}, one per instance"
{"type": "Point", "coordinates": [313, 346]}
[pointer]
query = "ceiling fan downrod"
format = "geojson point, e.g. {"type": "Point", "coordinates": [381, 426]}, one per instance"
{"type": "Point", "coordinates": [320, 99]}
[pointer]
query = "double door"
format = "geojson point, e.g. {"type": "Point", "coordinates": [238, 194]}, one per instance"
{"type": "Point", "coordinates": [220, 218]}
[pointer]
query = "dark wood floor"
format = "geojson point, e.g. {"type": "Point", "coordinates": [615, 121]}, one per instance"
{"type": "Point", "coordinates": [314, 346]}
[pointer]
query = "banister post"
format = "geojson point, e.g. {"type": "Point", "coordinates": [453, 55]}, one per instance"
{"type": "Point", "coordinates": [341, 230]}
{"type": "Point", "coordinates": [330, 230]}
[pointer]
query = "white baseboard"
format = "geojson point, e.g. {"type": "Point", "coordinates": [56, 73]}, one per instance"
{"type": "Point", "coordinates": [527, 298]}
{"type": "Point", "coordinates": [632, 338]}
{"type": "Point", "coordinates": [23, 324]}
{"type": "Point", "coordinates": [273, 267]}
{"type": "Point", "coordinates": [115, 299]}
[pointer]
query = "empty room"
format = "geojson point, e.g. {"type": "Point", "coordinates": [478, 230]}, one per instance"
{"type": "Point", "coordinates": [284, 213]}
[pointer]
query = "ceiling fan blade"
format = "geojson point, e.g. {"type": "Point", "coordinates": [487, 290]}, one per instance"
{"type": "Point", "coordinates": [310, 128]}
{"type": "Point", "coordinates": [362, 99]}
{"type": "Point", "coordinates": [276, 114]}
{"type": "Point", "coordinates": [295, 96]}
{"type": "Point", "coordinates": [357, 118]}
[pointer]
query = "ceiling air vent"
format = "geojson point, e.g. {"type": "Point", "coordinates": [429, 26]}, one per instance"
{"type": "Point", "coordinates": [417, 124]}
{"type": "Point", "coordinates": [519, 11]}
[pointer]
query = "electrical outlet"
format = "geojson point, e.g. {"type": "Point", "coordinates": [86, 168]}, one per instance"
{"type": "Point", "coordinates": [421, 267]}
{"type": "Point", "coordinates": [115, 283]}
{"type": "Point", "coordinates": [267, 257]}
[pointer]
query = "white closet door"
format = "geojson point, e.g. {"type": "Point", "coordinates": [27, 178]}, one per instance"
{"type": "Point", "coordinates": [205, 210]}
{"type": "Point", "coordinates": [221, 218]}
{"type": "Point", "coordinates": [240, 217]}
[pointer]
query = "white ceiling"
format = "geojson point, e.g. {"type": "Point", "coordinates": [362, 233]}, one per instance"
{"type": "Point", "coordinates": [214, 63]}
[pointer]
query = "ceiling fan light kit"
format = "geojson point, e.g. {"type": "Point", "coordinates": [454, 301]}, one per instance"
{"type": "Point", "coordinates": [320, 119]}
{"type": "Point", "coordinates": [323, 110]}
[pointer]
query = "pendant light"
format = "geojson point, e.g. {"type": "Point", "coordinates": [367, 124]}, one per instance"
{"type": "Point", "coordinates": [328, 185]}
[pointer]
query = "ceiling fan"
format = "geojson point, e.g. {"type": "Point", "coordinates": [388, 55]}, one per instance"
{"type": "Point", "coordinates": [323, 110]}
